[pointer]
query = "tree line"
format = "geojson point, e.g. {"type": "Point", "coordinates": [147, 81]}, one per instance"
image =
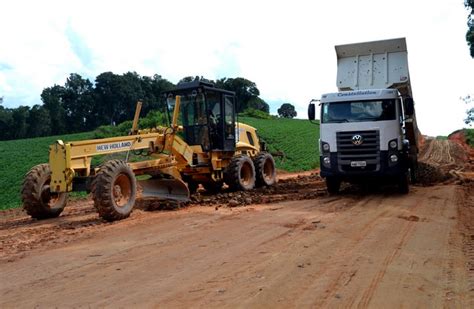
{"type": "Point", "coordinates": [81, 105]}
{"type": "Point", "coordinates": [469, 4]}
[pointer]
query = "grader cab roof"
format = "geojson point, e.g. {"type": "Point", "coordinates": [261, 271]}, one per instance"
{"type": "Point", "coordinates": [198, 86]}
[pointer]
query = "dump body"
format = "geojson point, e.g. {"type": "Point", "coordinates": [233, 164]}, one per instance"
{"type": "Point", "coordinates": [374, 65]}
{"type": "Point", "coordinates": [378, 65]}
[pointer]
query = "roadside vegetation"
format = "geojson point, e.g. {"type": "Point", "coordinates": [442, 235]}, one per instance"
{"type": "Point", "coordinates": [295, 139]}
{"type": "Point", "coordinates": [469, 137]}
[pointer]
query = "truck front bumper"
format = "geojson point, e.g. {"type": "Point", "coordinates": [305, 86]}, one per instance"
{"type": "Point", "coordinates": [384, 169]}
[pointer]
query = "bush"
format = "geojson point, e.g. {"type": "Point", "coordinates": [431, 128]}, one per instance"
{"type": "Point", "coordinates": [469, 133]}
{"type": "Point", "coordinates": [255, 113]}
{"type": "Point", "coordinates": [152, 119]}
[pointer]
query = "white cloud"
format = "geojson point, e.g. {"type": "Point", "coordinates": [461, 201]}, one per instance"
{"type": "Point", "coordinates": [287, 48]}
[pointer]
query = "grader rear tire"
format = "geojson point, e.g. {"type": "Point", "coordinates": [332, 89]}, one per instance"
{"type": "Point", "coordinates": [114, 190]}
{"type": "Point", "coordinates": [38, 201]}
{"type": "Point", "coordinates": [240, 174]}
{"type": "Point", "coordinates": [265, 170]}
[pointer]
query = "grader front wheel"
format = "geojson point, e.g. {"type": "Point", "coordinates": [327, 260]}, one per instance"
{"type": "Point", "coordinates": [38, 200]}
{"type": "Point", "coordinates": [114, 190]}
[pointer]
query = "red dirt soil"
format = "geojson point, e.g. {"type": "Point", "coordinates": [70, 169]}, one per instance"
{"type": "Point", "coordinates": [292, 245]}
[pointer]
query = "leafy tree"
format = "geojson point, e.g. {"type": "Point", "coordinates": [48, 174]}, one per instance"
{"type": "Point", "coordinates": [39, 122]}
{"type": "Point", "coordinates": [108, 107]}
{"type": "Point", "coordinates": [6, 122]}
{"type": "Point", "coordinates": [287, 110]}
{"type": "Point", "coordinates": [187, 79]}
{"type": "Point", "coordinates": [469, 100]}
{"type": "Point", "coordinates": [258, 104]}
{"type": "Point", "coordinates": [158, 85]}
{"type": "Point", "coordinates": [78, 102]}
{"type": "Point", "coordinates": [116, 95]}
{"type": "Point", "coordinates": [244, 89]}
{"type": "Point", "coordinates": [469, 4]}
{"type": "Point", "coordinates": [52, 98]}
{"type": "Point", "coordinates": [19, 122]}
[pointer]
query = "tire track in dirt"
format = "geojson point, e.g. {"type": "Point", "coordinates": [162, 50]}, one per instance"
{"type": "Point", "coordinates": [369, 292]}
{"type": "Point", "coordinates": [344, 255]}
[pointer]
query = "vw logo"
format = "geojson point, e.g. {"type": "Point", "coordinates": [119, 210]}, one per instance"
{"type": "Point", "coordinates": [357, 139]}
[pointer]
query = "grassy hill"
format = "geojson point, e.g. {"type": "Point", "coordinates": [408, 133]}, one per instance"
{"type": "Point", "coordinates": [16, 159]}
{"type": "Point", "coordinates": [297, 139]}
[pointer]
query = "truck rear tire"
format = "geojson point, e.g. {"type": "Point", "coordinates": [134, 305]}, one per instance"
{"type": "Point", "coordinates": [265, 173]}
{"type": "Point", "coordinates": [38, 201]}
{"type": "Point", "coordinates": [114, 190]}
{"type": "Point", "coordinates": [240, 174]}
{"type": "Point", "coordinates": [333, 185]}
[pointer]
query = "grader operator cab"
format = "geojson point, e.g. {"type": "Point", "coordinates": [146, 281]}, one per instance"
{"type": "Point", "coordinates": [202, 145]}
{"type": "Point", "coordinates": [208, 115]}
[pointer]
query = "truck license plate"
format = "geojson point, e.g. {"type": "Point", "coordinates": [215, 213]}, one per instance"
{"type": "Point", "coordinates": [358, 163]}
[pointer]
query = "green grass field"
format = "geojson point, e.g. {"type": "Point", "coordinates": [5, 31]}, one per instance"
{"type": "Point", "coordinates": [16, 159]}
{"type": "Point", "coordinates": [297, 139]}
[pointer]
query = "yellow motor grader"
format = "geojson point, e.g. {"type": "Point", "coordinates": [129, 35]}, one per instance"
{"type": "Point", "coordinates": [203, 145]}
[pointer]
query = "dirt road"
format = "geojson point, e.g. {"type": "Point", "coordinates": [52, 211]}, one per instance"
{"type": "Point", "coordinates": [301, 248]}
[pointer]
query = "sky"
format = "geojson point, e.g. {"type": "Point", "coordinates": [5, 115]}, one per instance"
{"type": "Point", "coordinates": [285, 47]}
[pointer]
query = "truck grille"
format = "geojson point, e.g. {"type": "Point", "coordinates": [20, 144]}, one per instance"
{"type": "Point", "coordinates": [368, 151]}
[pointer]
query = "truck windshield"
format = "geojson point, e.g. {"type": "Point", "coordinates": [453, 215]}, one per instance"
{"type": "Point", "coordinates": [358, 111]}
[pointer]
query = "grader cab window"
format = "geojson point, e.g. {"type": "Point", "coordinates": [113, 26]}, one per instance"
{"type": "Point", "coordinates": [208, 116]}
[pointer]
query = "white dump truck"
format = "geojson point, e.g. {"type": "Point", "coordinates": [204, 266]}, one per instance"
{"type": "Point", "coordinates": [368, 128]}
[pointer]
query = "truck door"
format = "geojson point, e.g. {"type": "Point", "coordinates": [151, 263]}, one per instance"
{"type": "Point", "coordinates": [229, 123]}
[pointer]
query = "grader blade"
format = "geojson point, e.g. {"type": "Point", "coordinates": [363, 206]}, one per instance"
{"type": "Point", "coordinates": [164, 189]}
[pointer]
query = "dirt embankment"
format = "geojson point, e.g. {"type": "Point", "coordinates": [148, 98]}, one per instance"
{"type": "Point", "coordinates": [445, 161]}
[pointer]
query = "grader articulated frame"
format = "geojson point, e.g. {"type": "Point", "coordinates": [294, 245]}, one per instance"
{"type": "Point", "coordinates": [210, 153]}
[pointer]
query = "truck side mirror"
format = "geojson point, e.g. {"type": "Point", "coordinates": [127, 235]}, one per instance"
{"type": "Point", "coordinates": [409, 106]}
{"type": "Point", "coordinates": [311, 111]}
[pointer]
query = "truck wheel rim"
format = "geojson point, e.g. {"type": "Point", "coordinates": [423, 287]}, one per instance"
{"type": "Point", "coordinates": [122, 190]}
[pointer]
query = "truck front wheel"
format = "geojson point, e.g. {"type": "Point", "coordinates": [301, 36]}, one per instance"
{"type": "Point", "coordinates": [333, 185]}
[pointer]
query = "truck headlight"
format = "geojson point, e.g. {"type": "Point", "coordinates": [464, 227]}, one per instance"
{"type": "Point", "coordinates": [393, 144]}
{"type": "Point", "coordinates": [394, 158]}
{"type": "Point", "coordinates": [326, 147]}
{"type": "Point", "coordinates": [327, 160]}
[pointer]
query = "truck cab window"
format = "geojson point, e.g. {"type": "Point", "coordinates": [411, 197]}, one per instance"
{"type": "Point", "coordinates": [359, 111]}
